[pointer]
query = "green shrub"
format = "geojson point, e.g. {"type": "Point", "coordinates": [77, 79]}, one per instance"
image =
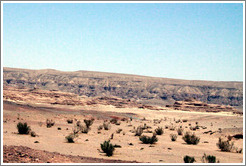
{"type": "Point", "coordinates": [208, 159]}
{"type": "Point", "coordinates": [173, 137]}
{"type": "Point", "coordinates": [191, 138]}
{"type": "Point", "coordinates": [225, 146]}
{"type": "Point", "coordinates": [107, 148]}
{"type": "Point", "coordinates": [189, 159]}
{"type": "Point", "coordinates": [148, 140]}
{"type": "Point", "coordinates": [23, 128]}
{"type": "Point", "coordinates": [159, 131]}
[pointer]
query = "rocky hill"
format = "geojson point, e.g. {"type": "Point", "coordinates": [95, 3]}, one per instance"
{"type": "Point", "coordinates": [151, 90]}
{"type": "Point", "coordinates": [192, 104]}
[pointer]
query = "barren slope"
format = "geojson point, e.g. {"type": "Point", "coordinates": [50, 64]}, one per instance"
{"type": "Point", "coordinates": [144, 89]}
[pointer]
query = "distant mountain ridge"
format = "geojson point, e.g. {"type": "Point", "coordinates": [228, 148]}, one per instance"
{"type": "Point", "coordinates": [140, 88]}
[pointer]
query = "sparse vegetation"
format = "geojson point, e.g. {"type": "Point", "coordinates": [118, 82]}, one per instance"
{"type": "Point", "coordinates": [84, 129]}
{"type": "Point", "coordinates": [49, 123]}
{"type": "Point", "coordinates": [173, 137]}
{"type": "Point", "coordinates": [172, 128]}
{"type": "Point", "coordinates": [159, 131]}
{"type": "Point", "coordinates": [225, 146]}
{"type": "Point", "coordinates": [180, 131]}
{"type": "Point", "coordinates": [70, 138]}
{"type": "Point", "coordinates": [69, 121]}
{"type": "Point", "coordinates": [189, 159]}
{"type": "Point", "coordinates": [113, 121]}
{"type": "Point", "coordinates": [209, 159]}
{"type": "Point", "coordinates": [33, 134]}
{"type": "Point", "coordinates": [148, 140]}
{"type": "Point", "coordinates": [23, 128]}
{"type": "Point", "coordinates": [107, 148]}
{"type": "Point", "coordinates": [239, 150]}
{"type": "Point", "coordinates": [88, 122]}
{"type": "Point", "coordinates": [100, 127]}
{"type": "Point", "coordinates": [118, 131]}
{"type": "Point", "coordinates": [191, 138]}
{"type": "Point", "coordinates": [139, 131]}
{"type": "Point", "coordinates": [106, 126]}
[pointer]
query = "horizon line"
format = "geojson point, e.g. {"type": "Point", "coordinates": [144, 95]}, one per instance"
{"type": "Point", "coordinates": [120, 73]}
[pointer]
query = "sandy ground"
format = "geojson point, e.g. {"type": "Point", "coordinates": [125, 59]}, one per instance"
{"type": "Point", "coordinates": [88, 145]}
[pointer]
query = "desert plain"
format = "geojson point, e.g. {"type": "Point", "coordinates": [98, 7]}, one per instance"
{"type": "Point", "coordinates": [35, 106]}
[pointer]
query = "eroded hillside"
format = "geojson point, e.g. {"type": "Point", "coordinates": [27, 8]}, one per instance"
{"type": "Point", "coordinates": [141, 88]}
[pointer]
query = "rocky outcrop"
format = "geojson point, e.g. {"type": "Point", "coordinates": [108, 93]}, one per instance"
{"type": "Point", "coordinates": [124, 86]}
{"type": "Point", "coordinates": [191, 104]}
{"type": "Point", "coordinates": [65, 98]}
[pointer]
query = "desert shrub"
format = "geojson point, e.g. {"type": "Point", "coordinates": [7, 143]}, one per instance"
{"type": "Point", "coordinates": [49, 123]}
{"type": "Point", "coordinates": [239, 150]}
{"type": "Point", "coordinates": [184, 120]}
{"type": "Point", "coordinates": [194, 128]}
{"type": "Point", "coordinates": [100, 127]}
{"type": "Point", "coordinates": [117, 123]}
{"type": "Point", "coordinates": [166, 126]}
{"type": "Point", "coordinates": [84, 129]}
{"type": "Point", "coordinates": [88, 122]}
{"type": "Point", "coordinates": [106, 126]}
{"type": "Point", "coordinates": [148, 140]}
{"type": "Point", "coordinates": [225, 146]}
{"type": "Point", "coordinates": [157, 121]}
{"type": "Point", "coordinates": [33, 134]}
{"type": "Point", "coordinates": [180, 131]}
{"type": "Point", "coordinates": [76, 129]}
{"type": "Point", "coordinates": [69, 121]}
{"type": "Point", "coordinates": [191, 138]}
{"type": "Point", "coordinates": [23, 128]}
{"type": "Point", "coordinates": [107, 148]}
{"type": "Point", "coordinates": [159, 131]}
{"type": "Point", "coordinates": [70, 138]}
{"type": "Point", "coordinates": [189, 159]}
{"type": "Point", "coordinates": [229, 137]}
{"type": "Point", "coordinates": [139, 131]}
{"type": "Point", "coordinates": [124, 119]}
{"type": "Point", "coordinates": [173, 137]}
{"type": "Point", "coordinates": [208, 159]}
{"type": "Point", "coordinates": [113, 121]}
{"type": "Point", "coordinates": [78, 123]}
{"type": "Point", "coordinates": [172, 128]}
{"type": "Point", "coordinates": [118, 131]}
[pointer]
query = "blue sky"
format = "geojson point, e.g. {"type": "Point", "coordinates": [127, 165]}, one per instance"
{"type": "Point", "coordinates": [185, 41]}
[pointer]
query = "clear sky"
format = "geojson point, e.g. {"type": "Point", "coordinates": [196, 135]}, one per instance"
{"type": "Point", "coordinates": [184, 41]}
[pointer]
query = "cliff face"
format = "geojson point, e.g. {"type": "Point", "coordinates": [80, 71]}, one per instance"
{"type": "Point", "coordinates": [126, 86]}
